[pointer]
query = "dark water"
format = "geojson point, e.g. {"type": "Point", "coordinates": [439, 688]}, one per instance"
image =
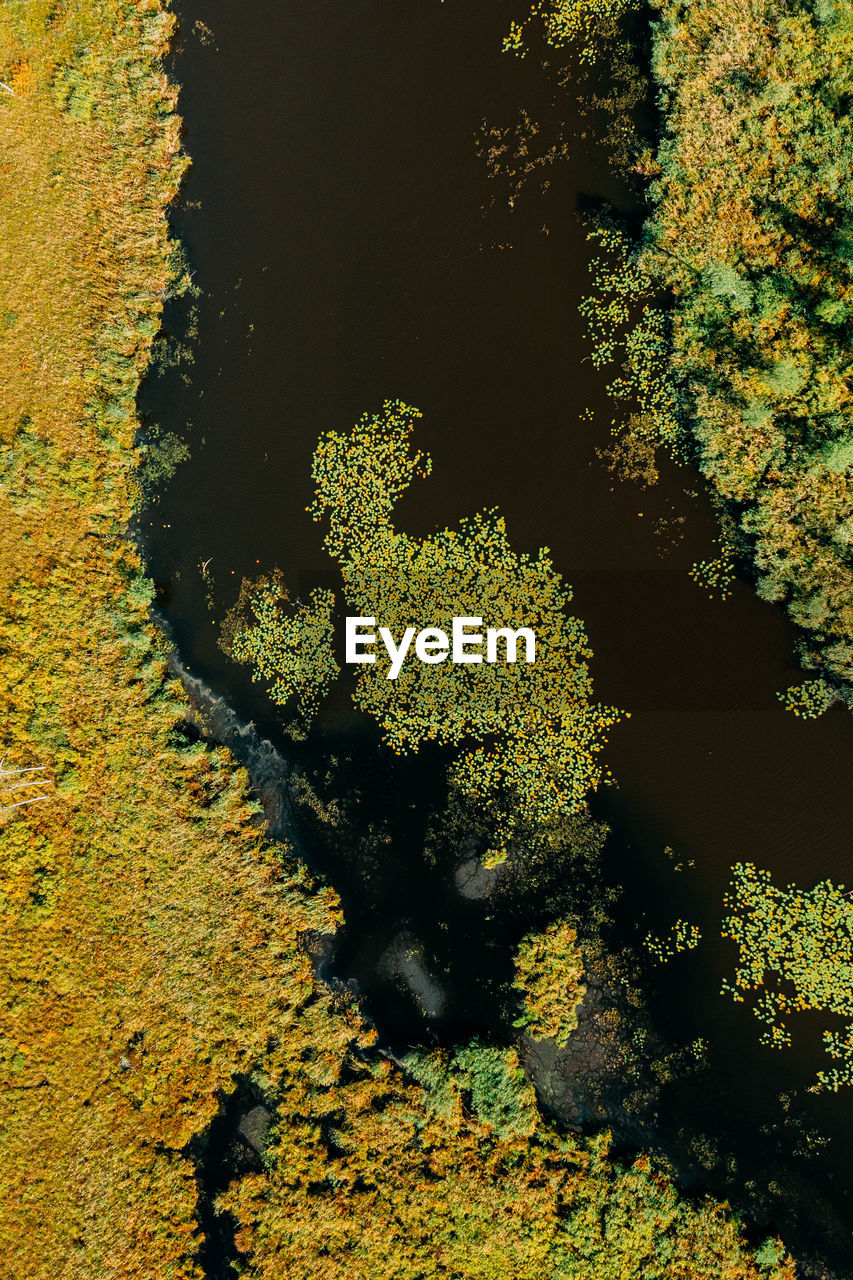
{"type": "Point", "coordinates": [350, 245]}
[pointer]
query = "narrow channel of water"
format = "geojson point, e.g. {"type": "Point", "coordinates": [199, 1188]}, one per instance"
{"type": "Point", "coordinates": [350, 245]}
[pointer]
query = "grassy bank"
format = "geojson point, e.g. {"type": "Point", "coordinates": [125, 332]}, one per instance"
{"type": "Point", "coordinates": [149, 941]}
{"type": "Point", "coordinates": [151, 938]}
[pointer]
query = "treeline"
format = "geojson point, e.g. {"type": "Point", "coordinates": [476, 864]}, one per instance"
{"type": "Point", "coordinates": [730, 316]}
{"type": "Point", "coordinates": [752, 232]}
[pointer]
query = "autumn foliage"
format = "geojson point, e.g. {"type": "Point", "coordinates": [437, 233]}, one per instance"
{"type": "Point", "coordinates": [150, 936]}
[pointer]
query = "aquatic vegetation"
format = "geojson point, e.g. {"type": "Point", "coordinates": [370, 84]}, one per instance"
{"type": "Point", "coordinates": [632, 457]}
{"type": "Point", "coordinates": [628, 326]}
{"type": "Point", "coordinates": [513, 154]}
{"type": "Point", "coordinates": [530, 733]}
{"type": "Point", "coordinates": [795, 947]}
{"type": "Point", "coordinates": [686, 1060]}
{"type": "Point", "coordinates": [582, 23]}
{"type": "Point", "coordinates": [549, 976]}
{"type": "Point", "coordinates": [716, 575]}
{"type": "Point", "coordinates": [809, 699]}
{"type": "Point", "coordinates": [162, 455]}
{"type": "Point", "coordinates": [292, 646]}
{"type": "Point", "coordinates": [839, 1045]}
{"type": "Point", "coordinates": [539, 733]}
{"type": "Point", "coordinates": [678, 864]}
{"type": "Point", "coordinates": [359, 476]}
{"type": "Point", "coordinates": [681, 937]}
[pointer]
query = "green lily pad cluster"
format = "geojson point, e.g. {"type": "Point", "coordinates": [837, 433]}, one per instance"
{"type": "Point", "coordinates": [530, 734]}
{"type": "Point", "coordinates": [579, 22]}
{"type": "Point", "coordinates": [809, 699]}
{"type": "Point", "coordinates": [681, 937]}
{"type": "Point", "coordinates": [288, 644]}
{"type": "Point", "coordinates": [715, 575]}
{"type": "Point", "coordinates": [527, 730]}
{"type": "Point", "coordinates": [802, 939]}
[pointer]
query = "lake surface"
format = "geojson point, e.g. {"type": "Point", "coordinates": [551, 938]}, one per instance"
{"type": "Point", "coordinates": [350, 245]}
